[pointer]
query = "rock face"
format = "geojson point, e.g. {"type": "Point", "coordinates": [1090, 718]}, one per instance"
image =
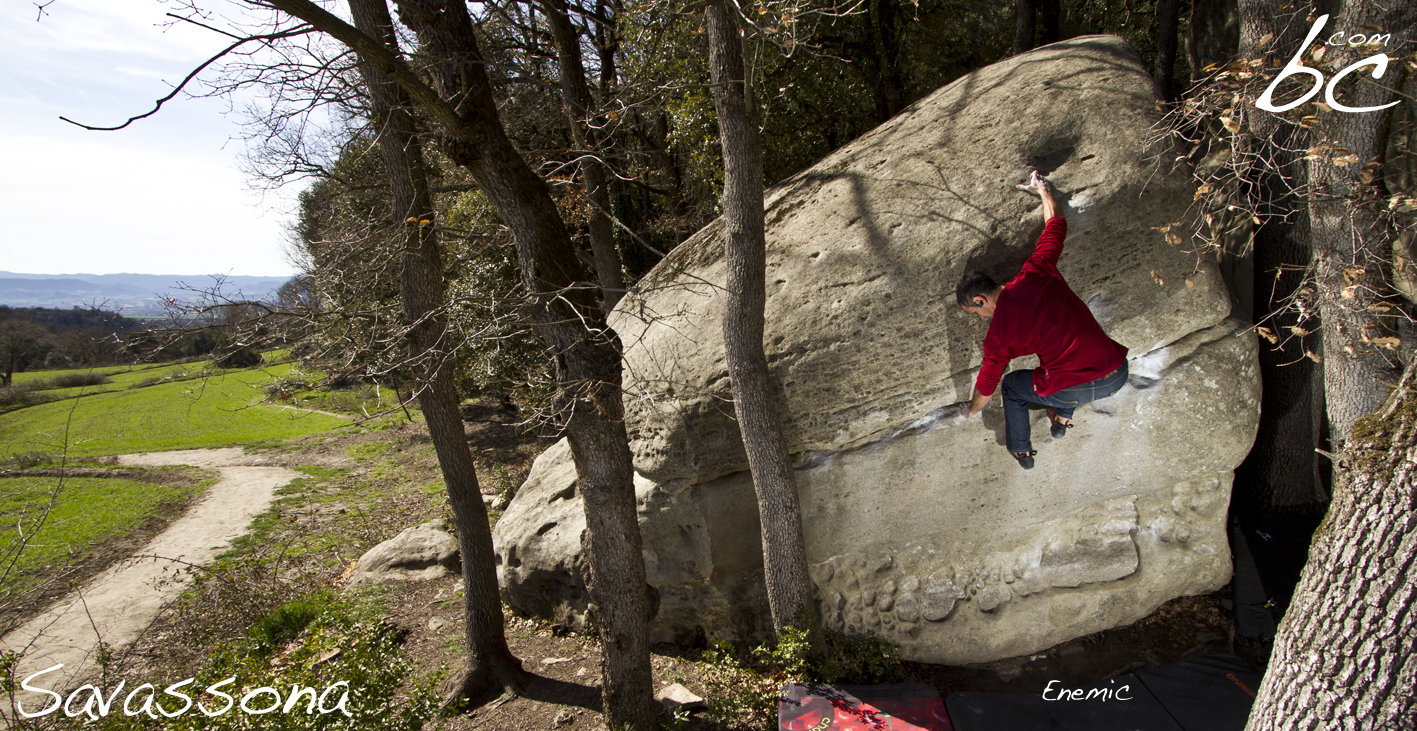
{"type": "Point", "coordinates": [921, 528]}
{"type": "Point", "coordinates": [425, 551]}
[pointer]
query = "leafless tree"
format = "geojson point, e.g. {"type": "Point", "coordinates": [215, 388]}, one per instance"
{"type": "Point", "coordinates": [791, 593]}
{"type": "Point", "coordinates": [565, 309]}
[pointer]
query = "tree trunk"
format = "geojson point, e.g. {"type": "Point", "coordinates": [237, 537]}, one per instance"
{"type": "Point", "coordinates": [1352, 240]}
{"type": "Point", "coordinates": [883, 61]}
{"type": "Point", "coordinates": [1049, 30]}
{"type": "Point", "coordinates": [1212, 35]}
{"type": "Point", "coordinates": [588, 366]}
{"type": "Point", "coordinates": [790, 589]}
{"type": "Point", "coordinates": [1027, 24]}
{"type": "Point", "coordinates": [579, 105]}
{"type": "Point", "coordinates": [490, 663]}
{"type": "Point", "coordinates": [1167, 22]}
{"type": "Point", "coordinates": [1346, 653]}
{"type": "Point", "coordinates": [1282, 471]}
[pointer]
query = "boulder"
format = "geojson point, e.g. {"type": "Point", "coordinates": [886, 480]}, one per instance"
{"type": "Point", "coordinates": [422, 552]}
{"type": "Point", "coordinates": [920, 528]}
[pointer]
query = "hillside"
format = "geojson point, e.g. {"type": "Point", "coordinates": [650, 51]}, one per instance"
{"type": "Point", "coordinates": [132, 294]}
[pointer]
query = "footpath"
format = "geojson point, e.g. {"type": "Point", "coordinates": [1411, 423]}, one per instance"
{"type": "Point", "coordinates": [118, 604]}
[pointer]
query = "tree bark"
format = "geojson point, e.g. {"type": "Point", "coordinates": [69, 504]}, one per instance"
{"type": "Point", "coordinates": [791, 594]}
{"type": "Point", "coordinates": [1352, 240]}
{"type": "Point", "coordinates": [1167, 23]}
{"type": "Point", "coordinates": [575, 91]}
{"type": "Point", "coordinates": [1027, 26]}
{"type": "Point", "coordinates": [1346, 653]}
{"type": "Point", "coordinates": [1282, 471]}
{"type": "Point", "coordinates": [490, 663]}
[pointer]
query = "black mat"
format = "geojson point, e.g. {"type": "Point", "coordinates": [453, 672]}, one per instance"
{"type": "Point", "coordinates": [1211, 693]}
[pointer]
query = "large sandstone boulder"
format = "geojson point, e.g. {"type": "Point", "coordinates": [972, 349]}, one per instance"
{"type": "Point", "coordinates": [921, 528]}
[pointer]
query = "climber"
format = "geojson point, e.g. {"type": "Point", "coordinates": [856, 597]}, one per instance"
{"type": "Point", "coordinates": [1037, 313]}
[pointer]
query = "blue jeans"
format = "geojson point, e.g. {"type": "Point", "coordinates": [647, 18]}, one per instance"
{"type": "Point", "coordinates": [1019, 393]}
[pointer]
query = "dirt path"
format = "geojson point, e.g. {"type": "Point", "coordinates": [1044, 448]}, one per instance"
{"type": "Point", "coordinates": [288, 407]}
{"type": "Point", "coordinates": [119, 603]}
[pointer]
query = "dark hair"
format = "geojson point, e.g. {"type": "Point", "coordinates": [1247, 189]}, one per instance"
{"type": "Point", "coordinates": [974, 285]}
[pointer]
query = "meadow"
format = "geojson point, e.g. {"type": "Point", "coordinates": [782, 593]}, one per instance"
{"type": "Point", "coordinates": [60, 523]}
{"type": "Point", "coordinates": [151, 409]}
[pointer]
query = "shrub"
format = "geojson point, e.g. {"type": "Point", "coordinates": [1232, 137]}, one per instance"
{"type": "Point", "coordinates": [17, 395]}
{"type": "Point", "coordinates": [288, 621]}
{"type": "Point", "coordinates": [75, 380]}
{"type": "Point", "coordinates": [56, 360]}
{"type": "Point", "coordinates": [32, 458]}
{"type": "Point", "coordinates": [738, 697]}
{"type": "Point", "coordinates": [853, 659]}
{"type": "Point", "coordinates": [240, 358]}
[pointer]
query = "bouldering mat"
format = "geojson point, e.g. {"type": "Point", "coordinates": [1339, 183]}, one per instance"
{"type": "Point", "coordinates": [820, 707]}
{"type": "Point", "coordinates": [1210, 693]}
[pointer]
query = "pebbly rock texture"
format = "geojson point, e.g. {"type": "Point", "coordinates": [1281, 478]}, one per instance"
{"type": "Point", "coordinates": [426, 551]}
{"type": "Point", "coordinates": [920, 527]}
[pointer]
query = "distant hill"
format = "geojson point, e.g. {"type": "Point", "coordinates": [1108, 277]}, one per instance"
{"type": "Point", "coordinates": [76, 318]}
{"type": "Point", "coordinates": [131, 294]}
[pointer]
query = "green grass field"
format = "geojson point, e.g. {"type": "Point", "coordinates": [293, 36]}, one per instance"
{"type": "Point", "coordinates": [218, 410]}
{"type": "Point", "coordinates": [66, 521]}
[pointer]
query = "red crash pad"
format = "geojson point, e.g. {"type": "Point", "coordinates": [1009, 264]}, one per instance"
{"type": "Point", "coordinates": [820, 707]}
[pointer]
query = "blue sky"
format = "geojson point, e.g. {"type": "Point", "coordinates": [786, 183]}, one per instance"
{"type": "Point", "coordinates": [165, 195]}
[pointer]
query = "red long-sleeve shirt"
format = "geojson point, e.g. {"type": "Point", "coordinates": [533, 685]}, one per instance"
{"type": "Point", "coordinates": [1038, 313]}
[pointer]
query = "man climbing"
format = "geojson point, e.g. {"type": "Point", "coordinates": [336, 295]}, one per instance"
{"type": "Point", "coordinates": [1037, 313]}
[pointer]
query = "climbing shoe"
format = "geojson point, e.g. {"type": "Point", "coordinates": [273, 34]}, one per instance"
{"type": "Point", "coordinates": [1025, 459]}
{"type": "Point", "coordinates": [1056, 426]}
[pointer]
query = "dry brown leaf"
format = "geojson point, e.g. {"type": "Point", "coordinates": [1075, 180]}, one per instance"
{"type": "Point", "coordinates": [1172, 239]}
{"type": "Point", "coordinates": [1353, 274]}
{"type": "Point", "coordinates": [1323, 106]}
{"type": "Point", "coordinates": [1190, 283]}
{"type": "Point", "coordinates": [1156, 274]}
{"type": "Point", "coordinates": [1313, 356]}
{"type": "Point", "coordinates": [1267, 334]}
{"type": "Point", "coordinates": [1389, 343]}
{"type": "Point", "coordinates": [1301, 332]}
{"type": "Point", "coordinates": [1350, 292]}
{"type": "Point", "coordinates": [1230, 124]}
{"type": "Point", "coordinates": [1343, 160]}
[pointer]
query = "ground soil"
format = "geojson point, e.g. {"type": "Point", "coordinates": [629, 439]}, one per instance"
{"type": "Point", "coordinates": [565, 666]}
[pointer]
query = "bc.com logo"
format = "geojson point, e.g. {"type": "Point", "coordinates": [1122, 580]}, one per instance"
{"type": "Point", "coordinates": [1378, 61]}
